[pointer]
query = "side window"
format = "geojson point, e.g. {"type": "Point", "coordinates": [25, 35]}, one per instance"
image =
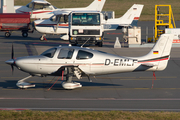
{"type": "Point", "coordinates": [66, 53]}
{"type": "Point", "coordinates": [47, 7]}
{"type": "Point", "coordinates": [84, 55]}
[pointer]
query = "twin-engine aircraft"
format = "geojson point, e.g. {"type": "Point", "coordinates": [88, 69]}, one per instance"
{"type": "Point", "coordinates": [57, 25]}
{"type": "Point", "coordinates": [72, 61]}
{"type": "Point", "coordinates": [42, 9]}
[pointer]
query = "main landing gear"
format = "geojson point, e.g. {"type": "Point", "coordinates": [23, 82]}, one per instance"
{"type": "Point", "coordinates": [42, 38]}
{"type": "Point", "coordinates": [68, 84]}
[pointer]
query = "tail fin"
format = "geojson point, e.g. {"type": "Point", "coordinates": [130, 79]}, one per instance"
{"type": "Point", "coordinates": [131, 16]}
{"type": "Point", "coordinates": [96, 5]}
{"type": "Point", "coordinates": [160, 53]}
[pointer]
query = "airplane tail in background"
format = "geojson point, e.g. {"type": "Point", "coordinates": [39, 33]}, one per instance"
{"type": "Point", "coordinates": [131, 16]}
{"type": "Point", "coordinates": [96, 5]}
{"type": "Point", "coordinates": [160, 54]}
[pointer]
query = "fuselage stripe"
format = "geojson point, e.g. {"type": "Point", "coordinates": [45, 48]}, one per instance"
{"type": "Point", "coordinates": [155, 60]}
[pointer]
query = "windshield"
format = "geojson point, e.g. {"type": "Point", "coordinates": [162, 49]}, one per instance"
{"type": "Point", "coordinates": [85, 19]}
{"type": "Point", "coordinates": [49, 53]}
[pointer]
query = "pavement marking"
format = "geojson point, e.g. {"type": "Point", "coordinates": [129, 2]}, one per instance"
{"type": "Point", "coordinates": [161, 77]}
{"type": "Point", "coordinates": [136, 77]}
{"type": "Point", "coordinates": [90, 109]}
{"type": "Point", "coordinates": [55, 89]}
{"type": "Point", "coordinates": [15, 53]}
{"type": "Point", "coordinates": [139, 79]}
{"type": "Point", "coordinates": [96, 99]}
{"type": "Point", "coordinates": [10, 77]}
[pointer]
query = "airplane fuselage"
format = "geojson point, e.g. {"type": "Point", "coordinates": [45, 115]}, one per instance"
{"type": "Point", "coordinates": [49, 27]}
{"type": "Point", "coordinates": [91, 62]}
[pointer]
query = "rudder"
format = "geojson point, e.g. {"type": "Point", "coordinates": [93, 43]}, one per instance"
{"type": "Point", "coordinates": [96, 5]}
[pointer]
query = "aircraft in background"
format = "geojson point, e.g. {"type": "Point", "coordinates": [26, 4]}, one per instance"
{"type": "Point", "coordinates": [58, 25]}
{"type": "Point", "coordinates": [69, 61]}
{"type": "Point", "coordinates": [129, 19]}
{"type": "Point", "coordinates": [42, 9]}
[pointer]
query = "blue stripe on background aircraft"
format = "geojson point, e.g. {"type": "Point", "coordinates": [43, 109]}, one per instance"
{"type": "Point", "coordinates": [72, 61]}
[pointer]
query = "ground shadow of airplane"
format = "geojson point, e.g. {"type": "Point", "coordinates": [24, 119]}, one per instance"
{"type": "Point", "coordinates": [11, 84]}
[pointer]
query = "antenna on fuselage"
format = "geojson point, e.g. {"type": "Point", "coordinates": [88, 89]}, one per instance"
{"type": "Point", "coordinates": [85, 42]}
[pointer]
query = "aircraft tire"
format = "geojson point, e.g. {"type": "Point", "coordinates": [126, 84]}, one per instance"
{"type": "Point", "coordinates": [74, 44]}
{"type": "Point", "coordinates": [100, 44]}
{"type": "Point", "coordinates": [25, 34]}
{"type": "Point", "coordinates": [41, 38]}
{"type": "Point", "coordinates": [7, 34]}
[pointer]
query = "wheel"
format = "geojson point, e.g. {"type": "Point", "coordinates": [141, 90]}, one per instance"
{"type": "Point", "coordinates": [42, 38]}
{"type": "Point", "coordinates": [24, 34]}
{"type": "Point", "coordinates": [73, 44]}
{"type": "Point", "coordinates": [7, 34]}
{"type": "Point", "coordinates": [100, 44]}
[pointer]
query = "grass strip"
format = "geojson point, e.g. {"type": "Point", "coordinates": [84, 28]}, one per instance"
{"type": "Point", "coordinates": [88, 115]}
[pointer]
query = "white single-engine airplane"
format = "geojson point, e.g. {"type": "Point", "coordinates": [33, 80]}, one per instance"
{"type": "Point", "coordinates": [78, 61]}
{"type": "Point", "coordinates": [57, 25]}
{"type": "Point", "coordinates": [42, 9]}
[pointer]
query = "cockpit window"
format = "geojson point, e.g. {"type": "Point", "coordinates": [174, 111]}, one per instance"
{"type": "Point", "coordinates": [55, 18]}
{"type": "Point", "coordinates": [55, 7]}
{"type": "Point", "coordinates": [37, 6]}
{"type": "Point", "coordinates": [66, 53]}
{"type": "Point", "coordinates": [29, 5]}
{"type": "Point", "coordinates": [59, 18]}
{"type": "Point", "coordinates": [46, 7]}
{"type": "Point", "coordinates": [49, 53]}
{"type": "Point", "coordinates": [84, 55]}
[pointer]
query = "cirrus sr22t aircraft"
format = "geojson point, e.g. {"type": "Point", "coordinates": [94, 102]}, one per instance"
{"type": "Point", "coordinates": [72, 61]}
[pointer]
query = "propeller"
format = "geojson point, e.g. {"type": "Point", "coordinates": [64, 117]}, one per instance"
{"type": "Point", "coordinates": [11, 61]}
{"type": "Point", "coordinates": [12, 57]}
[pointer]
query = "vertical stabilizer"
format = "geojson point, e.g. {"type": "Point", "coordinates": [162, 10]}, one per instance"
{"type": "Point", "coordinates": [132, 15]}
{"type": "Point", "coordinates": [96, 5]}
{"type": "Point", "coordinates": [160, 53]}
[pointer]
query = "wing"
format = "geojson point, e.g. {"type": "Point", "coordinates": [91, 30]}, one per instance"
{"type": "Point", "coordinates": [41, 2]}
{"type": "Point", "coordinates": [62, 12]}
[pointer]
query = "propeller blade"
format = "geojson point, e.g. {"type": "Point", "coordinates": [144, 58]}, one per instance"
{"type": "Point", "coordinates": [12, 57]}
{"type": "Point", "coordinates": [12, 69]}
{"type": "Point", "coordinates": [12, 52]}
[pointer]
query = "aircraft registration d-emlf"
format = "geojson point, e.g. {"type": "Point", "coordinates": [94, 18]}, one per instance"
{"type": "Point", "coordinates": [42, 9]}
{"type": "Point", "coordinates": [56, 25]}
{"type": "Point", "coordinates": [69, 61]}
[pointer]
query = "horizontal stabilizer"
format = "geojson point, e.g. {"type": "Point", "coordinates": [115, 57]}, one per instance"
{"type": "Point", "coordinates": [149, 64]}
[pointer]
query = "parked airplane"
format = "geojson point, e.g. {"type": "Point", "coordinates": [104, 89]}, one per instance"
{"type": "Point", "coordinates": [42, 9]}
{"type": "Point", "coordinates": [78, 61]}
{"type": "Point", "coordinates": [49, 26]}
